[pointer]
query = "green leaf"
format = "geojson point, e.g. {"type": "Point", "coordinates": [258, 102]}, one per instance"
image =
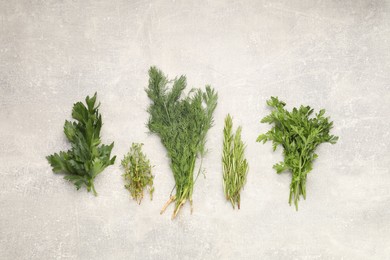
{"type": "Point", "coordinates": [87, 158]}
{"type": "Point", "coordinates": [299, 134]}
{"type": "Point", "coordinates": [91, 103]}
{"type": "Point", "coordinates": [262, 138]}
{"type": "Point", "coordinates": [333, 139]}
{"type": "Point", "coordinates": [321, 113]}
{"type": "Point", "coordinates": [280, 167]}
{"type": "Point", "coordinates": [58, 161]}
{"type": "Point", "coordinates": [70, 130]}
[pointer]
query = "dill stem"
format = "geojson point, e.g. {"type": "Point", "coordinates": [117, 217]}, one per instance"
{"type": "Point", "coordinates": [170, 200]}
{"type": "Point", "coordinates": [93, 189]}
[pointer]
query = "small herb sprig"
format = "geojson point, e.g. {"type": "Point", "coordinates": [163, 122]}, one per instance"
{"type": "Point", "coordinates": [88, 157]}
{"type": "Point", "coordinates": [182, 123]}
{"type": "Point", "coordinates": [299, 135]}
{"type": "Point", "coordinates": [235, 166]}
{"type": "Point", "coordinates": [138, 173]}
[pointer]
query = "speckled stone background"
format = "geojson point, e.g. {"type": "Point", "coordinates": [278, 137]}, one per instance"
{"type": "Point", "coordinates": [327, 54]}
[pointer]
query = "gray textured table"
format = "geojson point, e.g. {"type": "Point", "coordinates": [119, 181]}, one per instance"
{"type": "Point", "coordinates": [328, 54]}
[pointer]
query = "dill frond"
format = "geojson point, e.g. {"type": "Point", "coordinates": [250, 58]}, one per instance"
{"type": "Point", "coordinates": [181, 122]}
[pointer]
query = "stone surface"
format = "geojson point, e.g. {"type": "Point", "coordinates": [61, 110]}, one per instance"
{"type": "Point", "coordinates": [327, 54]}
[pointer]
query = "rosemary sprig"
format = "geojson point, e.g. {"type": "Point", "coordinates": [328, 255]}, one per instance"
{"type": "Point", "coordinates": [299, 135]}
{"type": "Point", "coordinates": [235, 166]}
{"type": "Point", "coordinates": [138, 173]}
{"type": "Point", "coordinates": [182, 123]}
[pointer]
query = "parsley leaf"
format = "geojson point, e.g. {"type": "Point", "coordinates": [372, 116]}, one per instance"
{"type": "Point", "coordinates": [299, 134]}
{"type": "Point", "coordinates": [87, 157]}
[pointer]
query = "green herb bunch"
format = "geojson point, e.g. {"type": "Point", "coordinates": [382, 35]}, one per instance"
{"type": "Point", "coordinates": [182, 123]}
{"type": "Point", "coordinates": [299, 135]}
{"type": "Point", "coordinates": [235, 166]}
{"type": "Point", "coordinates": [87, 157]}
{"type": "Point", "coordinates": [138, 173]}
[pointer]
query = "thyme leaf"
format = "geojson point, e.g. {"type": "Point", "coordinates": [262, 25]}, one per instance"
{"type": "Point", "coordinates": [138, 173]}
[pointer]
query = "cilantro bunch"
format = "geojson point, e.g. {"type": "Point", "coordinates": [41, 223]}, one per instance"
{"type": "Point", "coordinates": [87, 157]}
{"type": "Point", "coordinates": [182, 123]}
{"type": "Point", "coordinates": [299, 134]}
{"type": "Point", "coordinates": [138, 173]}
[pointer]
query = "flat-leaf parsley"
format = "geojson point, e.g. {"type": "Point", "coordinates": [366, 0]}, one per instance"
{"type": "Point", "coordinates": [299, 135]}
{"type": "Point", "coordinates": [87, 157]}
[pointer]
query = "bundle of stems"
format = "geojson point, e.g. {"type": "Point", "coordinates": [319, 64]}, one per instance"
{"type": "Point", "coordinates": [235, 166]}
{"type": "Point", "coordinates": [138, 173]}
{"type": "Point", "coordinates": [299, 134]}
{"type": "Point", "coordinates": [182, 123]}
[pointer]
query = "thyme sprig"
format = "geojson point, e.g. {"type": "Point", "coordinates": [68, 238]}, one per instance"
{"type": "Point", "coordinates": [138, 173]}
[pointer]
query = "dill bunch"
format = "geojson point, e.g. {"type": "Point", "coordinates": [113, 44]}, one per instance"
{"type": "Point", "coordinates": [182, 123]}
{"type": "Point", "coordinates": [299, 134]}
{"type": "Point", "coordinates": [138, 173]}
{"type": "Point", "coordinates": [235, 166]}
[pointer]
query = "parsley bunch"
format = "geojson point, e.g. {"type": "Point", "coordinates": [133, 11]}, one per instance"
{"type": "Point", "coordinates": [235, 166]}
{"type": "Point", "coordinates": [182, 124]}
{"type": "Point", "coordinates": [138, 173]}
{"type": "Point", "coordinates": [87, 157]}
{"type": "Point", "coordinates": [299, 135]}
